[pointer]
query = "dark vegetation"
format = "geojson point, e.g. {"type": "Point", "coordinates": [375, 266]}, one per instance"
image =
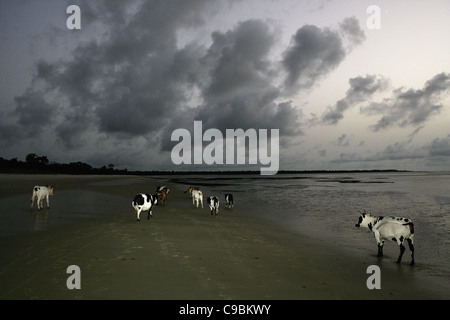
{"type": "Point", "coordinates": [41, 164]}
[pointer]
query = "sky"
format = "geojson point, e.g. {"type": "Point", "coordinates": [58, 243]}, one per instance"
{"type": "Point", "coordinates": [350, 85]}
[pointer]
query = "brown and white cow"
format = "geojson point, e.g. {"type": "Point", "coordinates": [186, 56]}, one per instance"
{"type": "Point", "coordinates": [190, 189]}
{"type": "Point", "coordinates": [197, 196]}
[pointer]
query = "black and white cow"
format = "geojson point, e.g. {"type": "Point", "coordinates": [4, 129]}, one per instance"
{"type": "Point", "coordinates": [39, 194]}
{"type": "Point", "coordinates": [213, 203]}
{"type": "Point", "coordinates": [144, 202]}
{"type": "Point", "coordinates": [228, 200]}
{"type": "Point", "coordinates": [390, 228]}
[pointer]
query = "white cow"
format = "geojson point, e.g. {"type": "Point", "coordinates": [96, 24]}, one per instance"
{"type": "Point", "coordinates": [144, 202]}
{"type": "Point", "coordinates": [40, 193]}
{"type": "Point", "coordinates": [197, 196]}
{"type": "Point", "coordinates": [390, 228]}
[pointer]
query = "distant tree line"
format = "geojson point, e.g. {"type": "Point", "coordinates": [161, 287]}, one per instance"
{"type": "Point", "coordinates": [40, 164]}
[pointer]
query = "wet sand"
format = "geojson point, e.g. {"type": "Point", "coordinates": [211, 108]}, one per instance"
{"type": "Point", "coordinates": [184, 253]}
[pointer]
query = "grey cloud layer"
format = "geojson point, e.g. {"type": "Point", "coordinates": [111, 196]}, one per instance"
{"type": "Point", "coordinates": [411, 107]}
{"type": "Point", "coordinates": [404, 108]}
{"type": "Point", "coordinates": [133, 80]}
{"type": "Point", "coordinates": [361, 89]}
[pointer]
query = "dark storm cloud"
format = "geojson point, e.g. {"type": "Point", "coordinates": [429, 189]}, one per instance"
{"type": "Point", "coordinates": [237, 84]}
{"type": "Point", "coordinates": [315, 52]}
{"type": "Point", "coordinates": [239, 81]}
{"type": "Point", "coordinates": [361, 89]}
{"type": "Point", "coordinates": [33, 112]}
{"type": "Point", "coordinates": [145, 72]}
{"type": "Point", "coordinates": [238, 59]}
{"type": "Point", "coordinates": [132, 75]}
{"type": "Point", "coordinates": [242, 88]}
{"type": "Point", "coordinates": [130, 81]}
{"type": "Point", "coordinates": [240, 91]}
{"type": "Point", "coordinates": [410, 107]}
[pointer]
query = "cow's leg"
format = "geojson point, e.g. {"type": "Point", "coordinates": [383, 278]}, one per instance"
{"type": "Point", "coordinates": [39, 201]}
{"type": "Point", "coordinates": [411, 247]}
{"type": "Point", "coordinates": [379, 242]}
{"type": "Point", "coordinates": [138, 214]}
{"type": "Point", "coordinates": [402, 250]}
{"type": "Point", "coordinates": [380, 249]}
{"type": "Point", "coordinates": [48, 201]}
{"type": "Point", "coordinates": [149, 214]}
{"type": "Point", "coordinates": [32, 201]}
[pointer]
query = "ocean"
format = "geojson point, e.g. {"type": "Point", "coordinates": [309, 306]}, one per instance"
{"type": "Point", "coordinates": [326, 207]}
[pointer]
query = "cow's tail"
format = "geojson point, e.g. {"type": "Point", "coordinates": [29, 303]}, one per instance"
{"type": "Point", "coordinates": [411, 226]}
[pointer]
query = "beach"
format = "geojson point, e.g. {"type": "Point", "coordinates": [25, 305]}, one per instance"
{"type": "Point", "coordinates": [182, 253]}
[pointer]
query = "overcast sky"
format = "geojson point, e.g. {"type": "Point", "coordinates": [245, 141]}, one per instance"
{"type": "Point", "coordinates": [345, 90]}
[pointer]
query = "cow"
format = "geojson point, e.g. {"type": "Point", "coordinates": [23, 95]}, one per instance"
{"type": "Point", "coordinates": [213, 203]}
{"type": "Point", "coordinates": [390, 228]}
{"type": "Point", "coordinates": [229, 200]}
{"type": "Point", "coordinates": [144, 202]}
{"type": "Point", "coordinates": [40, 193]}
{"type": "Point", "coordinates": [197, 196]}
{"type": "Point", "coordinates": [159, 188]}
{"type": "Point", "coordinates": [190, 189]}
{"type": "Point", "coordinates": [163, 195]}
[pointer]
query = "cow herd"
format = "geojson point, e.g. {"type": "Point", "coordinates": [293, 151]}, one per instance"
{"type": "Point", "coordinates": [146, 201]}
{"type": "Point", "coordinates": [395, 229]}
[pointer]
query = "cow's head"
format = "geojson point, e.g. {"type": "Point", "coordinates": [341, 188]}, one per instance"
{"type": "Point", "coordinates": [155, 199]}
{"type": "Point", "coordinates": [50, 190]}
{"type": "Point", "coordinates": [365, 220]}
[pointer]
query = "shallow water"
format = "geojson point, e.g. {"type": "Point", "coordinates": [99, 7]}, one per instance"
{"type": "Point", "coordinates": [66, 206]}
{"type": "Point", "coordinates": [327, 206]}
